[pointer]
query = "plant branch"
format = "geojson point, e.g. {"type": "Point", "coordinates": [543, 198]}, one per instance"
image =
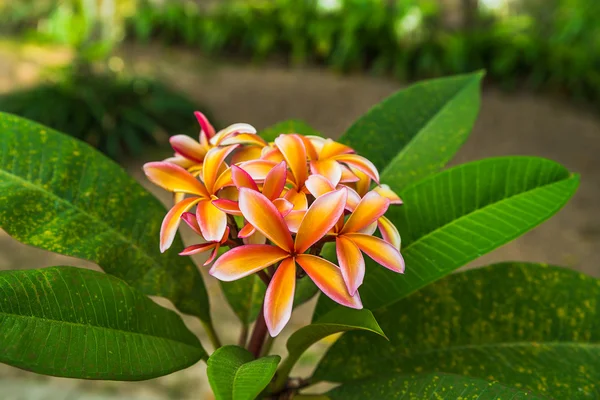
{"type": "Point", "coordinates": [259, 334]}
{"type": "Point", "coordinates": [264, 277]}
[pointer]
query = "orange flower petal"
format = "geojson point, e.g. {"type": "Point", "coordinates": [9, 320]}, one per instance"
{"type": "Point", "coordinates": [347, 175]}
{"type": "Point", "coordinates": [246, 231]}
{"type": "Point", "coordinates": [212, 164]}
{"type": "Point", "coordinates": [170, 223]}
{"type": "Point", "coordinates": [318, 185]}
{"type": "Point", "coordinates": [329, 169]}
{"type": "Point", "coordinates": [224, 180]}
{"type": "Point", "coordinates": [279, 298]}
{"type": "Point", "coordinates": [174, 178]}
{"type": "Point", "coordinates": [230, 131]}
{"type": "Point", "coordinates": [360, 163]}
{"type": "Point", "coordinates": [246, 153]}
{"type": "Point", "coordinates": [262, 214]}
{"type": "Point", "coordinates": [379, 250]}
{"type": "Point", "coordinates": [213, 255]}
{"type": "Point", "coordinates": [206, 127]}
{"type": "Point", "coordinates": [331, 149]}
{"type": "Point", "coordinates": [177, 197]}
{"type": "Point", "coordinates": [294, 152]}
{"type": "Point", "coordinates": [227, 206]}
{"type": "Point", "coordinates": [311, 150]}
{"type": "Point", "coordinates": [363, 184]}
{"type": "Point", "coordinates": [192, 222]}
{"type": "Point", "coordinates": [245, 260]}
{"type": "Point", "coordinates": [294, 219]}
{"type": "Point", "coordinates": [283, 206]}
{"type": "Point", "coordinates": [353, 198]}
{"type": "Point", "coordinates": [298, 199]}
{"type": "Point", "coordinates": [255, 238]}
{"type": "Point", "coordinates": [242, 179]}
{"type": "Point", "coordinates": [352, 263]}
{"type": "Point", "coordinates": [389, 232]}
{"type": "Point", "coordinates": [317, 143]}
{"type": "Point", "coordinates": [245, 139]}
{"type": "Point", "coordinates": [198, 248]}
{"type": "Point", "coordinates": [271, 153]}
{"type": "Point", "coordinates": [369, 229]}
{"type": "Point", "coordinates": [188, 147]}
{"type": "Point", "coordinates": [180, 160]}
{"type": "Point", "coordinates": [329, 279]}
{"type": "Point", "coordinates": [388, 193]}
{"type": "Point", "coordinates": [371, 207]}
{"type": "Point", "coordinates": [275, 181]}
{"type": "Point", "coordinates": [320, 218]}
{"type": "Point", "coordinates": [258, 169]}
{"type": "Point", "coordinates": [211, 220]}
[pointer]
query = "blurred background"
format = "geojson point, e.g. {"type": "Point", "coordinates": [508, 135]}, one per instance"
{"type": "Point", "coordinates": [124, 75]}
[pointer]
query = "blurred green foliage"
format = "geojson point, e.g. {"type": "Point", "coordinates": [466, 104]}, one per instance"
{"type": "Point", "coordinates": [89, 99]}
{"type": "Point", "coordinates": [118, 115]}
{"type": "Point", "coordinates": [550, 44]}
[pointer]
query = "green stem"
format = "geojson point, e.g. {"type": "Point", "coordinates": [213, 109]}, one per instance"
{"type": "Point", "coordinates": [243, 336]}
{"type": "Point", "coordinates": [284, 372]}
{"type": "Point", "coordinates": [212, 334]}
{"type": "Point", "coordinates": [259, 334]}
{"type": "Point", "coordinates": [267, 346]}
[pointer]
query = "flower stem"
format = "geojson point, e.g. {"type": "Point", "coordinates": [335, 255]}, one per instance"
{"type": "Point", "coordinates": [264, 277]}
{"type": "Point", "coordinates": [212, 334]}
{"type": "Point", "coordinates": [259, 334]}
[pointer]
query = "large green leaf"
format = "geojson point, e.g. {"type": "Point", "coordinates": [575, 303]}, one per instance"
{"type": "Point", "coordinates": [455, 216]}
{"type": "Point", "coordinates": [290, 126]}
{"type": "Point", "coordinates": [60, 194]}
{"type": "Point", "coordinates": [77, 323]}
{"type": "Point", "coordinates": [428, 386]}
{"type": "Point", "coordinates": [233, 373]}
{"type": "Point", "coordinates": [338, 320]}
{"type": "Point", "coordinates": [526, 325]}
{"type": "Point", "coordinates": [416, 131]}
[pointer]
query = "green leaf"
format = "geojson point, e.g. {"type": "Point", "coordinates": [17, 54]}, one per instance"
{"type": "Point", "coordinates": [428, 386]}
{"type": "Point", "coordinates": [77, 323]}
{"type": "Point", "coordinates": [525, 325]}
{"type": "Point", "coordinates": [457, 215]}
{"type": "Point", "coordinates": [61, 195]}
{"type": "Point", "coordinates": [341, 319]}
{"type": "Point", "coordinates": [245, 297]}
{"type": "Point", "coordinates": [233, 373]}
{"type": "Point", "coordinates": [305, 290]}
{"type": "Point", "coordinates": [289, 126]}
{"type": "Point", "coordinates": [253, 377]}
{"type": "Point", "coordinates": [416, 131]}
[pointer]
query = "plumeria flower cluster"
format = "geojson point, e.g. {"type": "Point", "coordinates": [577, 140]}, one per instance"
{"type": "Point", "coordinates": [275, 205]}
